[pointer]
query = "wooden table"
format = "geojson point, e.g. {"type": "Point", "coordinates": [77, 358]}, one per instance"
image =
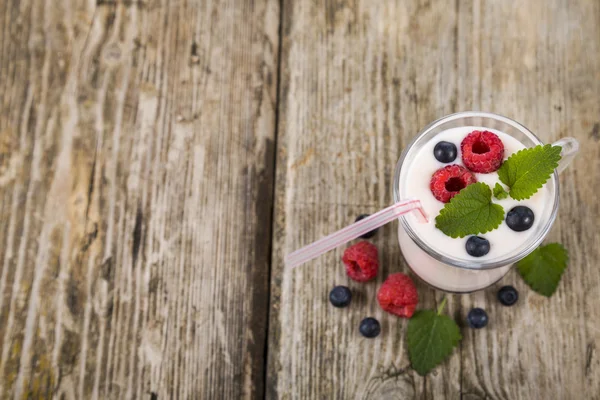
{"type": "Point", "coordinates": [158, 158]}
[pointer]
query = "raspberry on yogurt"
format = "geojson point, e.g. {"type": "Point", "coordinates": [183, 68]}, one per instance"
{"type": "Point", "coordinates": [482, 151]}
{"type": "Point", "coordinates": [448, 181]}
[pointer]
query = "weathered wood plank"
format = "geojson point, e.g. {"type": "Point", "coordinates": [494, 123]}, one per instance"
{"type": "Point", "coordinates": [359, 80]}
{"type": "Point", "coordinates": [544, 73]}
{"type": "Point", "coordinates": [136, 167]}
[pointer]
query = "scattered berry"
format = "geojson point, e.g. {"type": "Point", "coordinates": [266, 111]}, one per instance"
{"type": "Point", "coordinates": [368, 234]}
{"type": "Point", "coordinates": [340, 296]}
{"type": "Point", "coordinates": [482, 151]}
{"type": "Point", "coordinates": [520, 218]}
{"type": "Point", "coordinates": [361, 261]}
{"type": "Point", "coordinates": [508, 295]}
{"type": "Point", "coordinates": [369, 327]}
{"type": "Point", "coordinates": [477, 318]}
{"type": "Point", "coordinates": [448, 181]}
{"type": "Point", "coordinates": [477, 246]}
{"type": "Point", "coordinates": [445, 152]}
{"type": "Point", "coordinates": [398, 295]}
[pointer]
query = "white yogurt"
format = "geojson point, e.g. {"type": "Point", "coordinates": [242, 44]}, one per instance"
{"type": "Point", "coordinates": [414, 182]}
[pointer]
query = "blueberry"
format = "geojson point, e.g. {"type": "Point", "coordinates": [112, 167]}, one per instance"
{"type": "Point", "coordinates": [508, 295]}
{"type": "Point", "coordinates": [445, 152]}
{"type": "Point", "coordinates": [370, 328]}
{"type": "Point", "coordinates": [340, 296]}
{"type": "Point", "coordinates": [520, 218]}
{"type": "Point", "coordinates": [477, 318]}
{"type": "Point", "coordinates": [368, 234]}
{"type": "Point", "coordinates": [477, 246]}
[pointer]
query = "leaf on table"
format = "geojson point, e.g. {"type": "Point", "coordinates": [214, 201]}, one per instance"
{"type": "Point", "coordinates": [431, 337]}
{"type": "Point", "coordinates": [543, 268]}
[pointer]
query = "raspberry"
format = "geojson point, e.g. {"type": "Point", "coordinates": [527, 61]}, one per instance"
{"type": "Point", "coordinates": [482, 152]}
{"type": "Point", "coordinates": [361, 261]}
{"type": "Point", "coordinates": [398, 295]}
{"type": "Point", "coordinates": [448, 181]}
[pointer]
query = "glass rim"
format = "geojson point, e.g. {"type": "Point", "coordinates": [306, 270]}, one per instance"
{"type": "Point", "coordinates": [476, 265]}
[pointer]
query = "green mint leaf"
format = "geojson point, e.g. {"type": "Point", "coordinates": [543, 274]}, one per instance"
{"type": "Point", "coordinates": [527, 170]}
{"type": "Point", "coordinates": [499, 192]}
{"type": "Point", "coordinates": [430, 338]}
{"type": "Point", "coordinates": [470, 212]}
{"type": "Point", "coordinates": [543, 268]}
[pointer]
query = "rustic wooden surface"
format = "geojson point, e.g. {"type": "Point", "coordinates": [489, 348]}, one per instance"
{"type": "Point", "coordinates": [359, 79]}
{"type": "Point", "coordinates": [136, 166]}
{"type": "Point", "coordinates": [158, 158]}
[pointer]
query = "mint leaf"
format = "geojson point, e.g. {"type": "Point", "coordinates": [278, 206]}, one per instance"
{"type": "Point", "coordinates": [499, 192]}
{"type": "Point", "coordinates": [430, 338]}
{"type": "Point", "coordinates": [527, 170]}
{"type": "Point", "coordinates": [543, 268]}
{"type": "Point", "coordinates": [470, 212]}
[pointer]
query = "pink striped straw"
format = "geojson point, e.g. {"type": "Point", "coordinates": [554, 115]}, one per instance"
{"type": "Point", "coordinates": [354, 231]}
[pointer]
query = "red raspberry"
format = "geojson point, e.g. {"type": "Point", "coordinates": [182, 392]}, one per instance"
{"type": "Point", "coordinates": [398, 295]}
{"type": "Point", "coordinates": [361, 261]}
{"type": "Point", "coordinates": [482, 152]}
{"type": "Point", "coordinates": [448, 181]}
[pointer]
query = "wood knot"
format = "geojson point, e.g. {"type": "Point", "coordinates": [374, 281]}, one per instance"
{"type": "Point", "coordinates": [194, 56]}
{"type": "Point", "coordinates": [396, 384]}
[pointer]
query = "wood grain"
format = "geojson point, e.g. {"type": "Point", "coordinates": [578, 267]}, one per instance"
{"type": "Point", "coordinates": [359, 79]}
{"type": "Point", "coordinates": [136, 167]}
{"type": "Point", "coordinates": [137, 162]}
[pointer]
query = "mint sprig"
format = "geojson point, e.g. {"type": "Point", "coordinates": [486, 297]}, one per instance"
{"type": "Point", "coordinates": [470, 212]}
{"type": "Point", "coordinates": [543, 268]}
{"type": "Point", "coordinates": [499, 192]}
{"type": "Point", "coordinates": [430, 338]}
{"type": "Point", "coordinates": [527, 170]}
